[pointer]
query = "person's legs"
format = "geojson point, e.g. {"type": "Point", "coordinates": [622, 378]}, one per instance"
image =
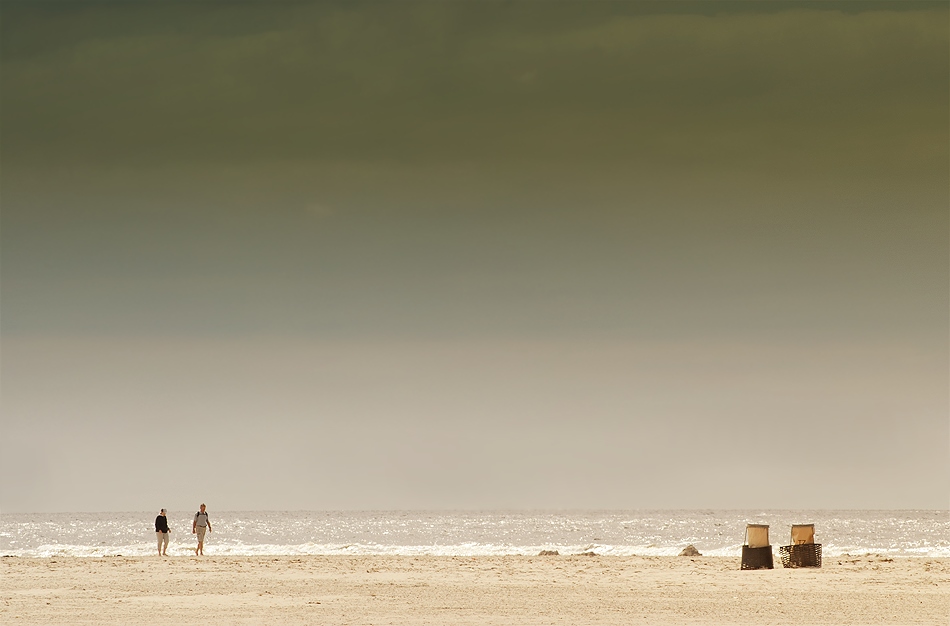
{"type": "Point", "coordinates": [201, 540]}
{"type": "Point", "coordinates": [165, 538]}
{"type": "Point", "coordinates": [159, 542]}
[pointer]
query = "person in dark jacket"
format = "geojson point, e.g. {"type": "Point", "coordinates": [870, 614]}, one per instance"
{"type": "Point", "coordinates": [161, 529]}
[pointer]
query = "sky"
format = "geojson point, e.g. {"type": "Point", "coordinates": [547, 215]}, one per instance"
{"type": "Point", "coordinates": [492, 255]}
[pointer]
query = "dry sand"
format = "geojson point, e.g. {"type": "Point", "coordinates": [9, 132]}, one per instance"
{"type": "Point", "coordinates": [464, 590]}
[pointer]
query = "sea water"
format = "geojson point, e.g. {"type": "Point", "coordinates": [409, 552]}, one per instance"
{"type": "Point", "coordinates": [470, 533]}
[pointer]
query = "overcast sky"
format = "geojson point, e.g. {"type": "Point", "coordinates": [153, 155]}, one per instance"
{"type": "Point", "coordinates": [474, 255]}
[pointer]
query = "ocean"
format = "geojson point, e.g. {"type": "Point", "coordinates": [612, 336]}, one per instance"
{"type": "Point", "coordinates": [471, 533]}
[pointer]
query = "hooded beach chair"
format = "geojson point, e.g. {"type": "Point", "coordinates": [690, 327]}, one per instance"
{"type": "Point", "coordinates": [756, 551]}
{"type": "Point", "coordinates": [803, 551]}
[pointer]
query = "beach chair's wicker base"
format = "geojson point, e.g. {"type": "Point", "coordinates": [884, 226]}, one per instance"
{"type": "Point", "coordinates": [801, 555]}
{"type": "Point", "coordinates": [757, 558]}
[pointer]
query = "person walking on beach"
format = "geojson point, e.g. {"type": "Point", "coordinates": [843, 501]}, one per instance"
{"type": "Point", "coordinates": [198, 527]}
{"type": "Point", "coordinates": [161, 530]}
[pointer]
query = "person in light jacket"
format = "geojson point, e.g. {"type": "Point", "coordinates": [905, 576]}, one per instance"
{"type": "Point", "coordinates": [198, 527]}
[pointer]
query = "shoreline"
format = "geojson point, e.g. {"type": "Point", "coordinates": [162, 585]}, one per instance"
{"type": "Point", "coordinates": [564, 589]}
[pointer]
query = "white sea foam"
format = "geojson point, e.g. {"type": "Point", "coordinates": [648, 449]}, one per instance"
{"type": "Point", "coordinates": [641, 533]}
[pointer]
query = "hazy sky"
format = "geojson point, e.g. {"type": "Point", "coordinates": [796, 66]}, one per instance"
{"type": "Point", "coordinates": [474, 255]}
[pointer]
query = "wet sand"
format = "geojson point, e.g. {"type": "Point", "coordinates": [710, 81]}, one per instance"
{"type": "Point", "coordinates": [465, 590]}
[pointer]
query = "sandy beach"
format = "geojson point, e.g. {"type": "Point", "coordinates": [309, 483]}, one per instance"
{"type": "Point", "coordinates": [465, 590]}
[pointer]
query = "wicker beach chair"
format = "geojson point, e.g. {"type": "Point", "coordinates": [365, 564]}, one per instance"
{"type": "Point", "coordinates": [803, 551]}
{"type": "Point", "coordinates": [756, 552]}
